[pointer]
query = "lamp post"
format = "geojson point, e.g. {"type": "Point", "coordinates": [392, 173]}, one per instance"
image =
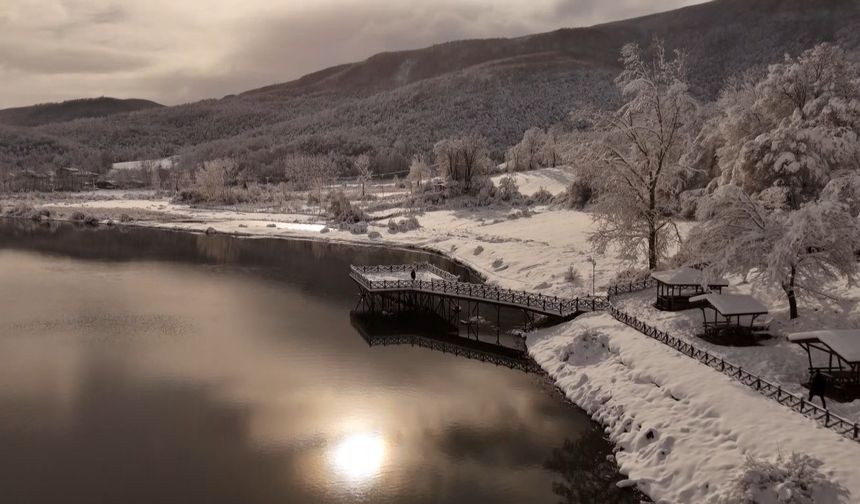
{"type": "Point", "coordinates": [593, 266]}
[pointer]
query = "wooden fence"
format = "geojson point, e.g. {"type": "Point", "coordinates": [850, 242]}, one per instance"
{"type": "Point", "coordinates": [768, 389]}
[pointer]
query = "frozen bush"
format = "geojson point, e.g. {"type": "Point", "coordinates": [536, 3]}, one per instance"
{"type": "Point", "coordinates": [78, 216]}
{"type": "Point", "coordinates": [374, 235]}
{"type": "Point", "coordinates": [579, 194]}
{"type": "Point", "coordinates": [572, 276]}
{"type": "Point", "coordinates": [357, 227]}
{"type": "Point", "coordinates": [542, 197]}
{"type": "Point", "coordinates": [125, 218]}
{"type": "Point", "coordinates": [91, 220]}
{"type": "Point", "coordinates": [341, 210]}
{"type": "Point", "coordinates": [478, 250]}
{"type": "Point", "coordinates": [21, 210]}
{"type": "Point", "coordinates": [630, 275]}
{"type": "Point", "coordinates": [792, 480]}
{"type": "Point", "coordinates": [508, 188]}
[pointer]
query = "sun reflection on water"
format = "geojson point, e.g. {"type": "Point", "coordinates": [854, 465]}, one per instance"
{"type": "Point", "coordinates": [359, 457]}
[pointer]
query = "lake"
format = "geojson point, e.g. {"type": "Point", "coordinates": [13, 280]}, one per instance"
{"type": "Point", "coordinates": [144, 366]}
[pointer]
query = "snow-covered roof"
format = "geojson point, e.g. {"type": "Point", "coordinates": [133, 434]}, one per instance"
{"type": "Point", "coordinates": [732, 304]}
{"type": "Point", "coordinates": [686, 276]}
{"type": "Point", "coordinates": [845, 342]}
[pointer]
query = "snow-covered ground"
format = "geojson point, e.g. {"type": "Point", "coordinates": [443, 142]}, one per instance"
{"type": "Point", "coordinates": [682, 429]}
{"type": "Point", "coordinates": [777, 359]}
{"type": "Point", "coordinates": [702, 423]}
{"type": "Point", "coordinates": [554, 180]}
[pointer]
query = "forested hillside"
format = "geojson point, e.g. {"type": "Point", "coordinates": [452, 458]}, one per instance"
{"type": "Point", "coordinates": [46, 113]}
{"type": "Point", "coordinates": [399, 103]}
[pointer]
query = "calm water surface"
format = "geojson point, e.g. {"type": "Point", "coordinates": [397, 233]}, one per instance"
{"type": "Point", "coordinates": [143, 366]}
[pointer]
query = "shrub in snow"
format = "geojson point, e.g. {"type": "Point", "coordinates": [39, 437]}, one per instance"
{"type": "Point", "coordinates": [210, 230]}
{"type": "Point", "coordinates": [579, 194]}
{"type": "Point", "coordinates": [341, 210]}
{"type": "Point", "coordinates": [125, 218]}
{"type": "Point", "coordinates": [356, 227]}
{"type": "Point", "coordinates": [408, 224]}
{"type": "Point", "coordinates": [508, 188]}
{"type": "Point", "coordinates": [478, 250]}
{"type": "Point", "coordinates": [271, 225]}
{"type": "Point", "coordinates": [405, 225]}
{"type": "Point", "coordinates": [792, 480]}
{"type": "Point", "coordinates": [21, 210]}
{"type": "Point", "coordinates": [572, 276]}
{"type": "Point", "coordinates": [78, 216]}
{"type": "Point", "coordinates": [325, 230]}
{"type": "Point", "coordinates": [498, 263]}
{"type": "Point", "coordinates": [91, 220]}
{"type": "Point", "coordinates": [630, 275]}
{"type": "Point", "coordinates": [541, 197]}
{"type": "Point", "coordinates": [374, 235]}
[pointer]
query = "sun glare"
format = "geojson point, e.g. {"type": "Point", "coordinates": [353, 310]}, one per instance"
{"type": "Point", "coordinates": [359, 457]}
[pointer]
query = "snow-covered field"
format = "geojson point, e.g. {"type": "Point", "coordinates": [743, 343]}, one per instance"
{"type": "Point", "coordinates": [702, 425]}
{"type": "Point", "coordinates": [554, 180]}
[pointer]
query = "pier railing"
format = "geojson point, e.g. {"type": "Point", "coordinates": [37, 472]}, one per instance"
{"type": "Point", "coordinates": [765, 387]}
{"type": "Point", "coordinates": [538, 303]}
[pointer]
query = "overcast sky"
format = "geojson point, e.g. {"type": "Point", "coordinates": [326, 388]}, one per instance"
{"type": "Point", "coordinates": [174, 51]}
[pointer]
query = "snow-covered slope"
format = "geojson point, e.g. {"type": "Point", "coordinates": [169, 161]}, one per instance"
{"type": "Point", "coordinates": [684, 430]}
{"type": "Point", "coordinates": [555, 180]}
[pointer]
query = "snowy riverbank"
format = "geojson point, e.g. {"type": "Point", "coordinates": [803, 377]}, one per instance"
{"type": "Point", "coordinates": [702, 424]}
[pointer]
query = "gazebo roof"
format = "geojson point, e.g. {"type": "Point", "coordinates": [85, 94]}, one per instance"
{"type": "Point", "coordinates": [844, 342]}
{"type": "Point", "coordinates": [686, 276]}
{"type": "Point", "coordinates": [732, 304]}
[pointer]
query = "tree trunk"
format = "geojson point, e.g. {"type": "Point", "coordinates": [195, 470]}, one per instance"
{"type": "Point", "coordinates": [652, 247]}
{"type": "Point", "coordinates": [652, 228]}
{"type": "Point", "coordinates": [789, 291]}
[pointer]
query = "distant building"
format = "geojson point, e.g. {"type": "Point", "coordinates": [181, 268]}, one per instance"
{"type": "Point", "coordinates": [73, 179]}
{"type": "Point", "coordinates": [143, 173]}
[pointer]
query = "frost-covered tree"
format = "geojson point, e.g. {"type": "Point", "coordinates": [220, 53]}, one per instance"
{"type": "Point", "coordinates": [639, 155]}
{"type": "Point", "coordinates": [527, 154]}
{"type": "Point", "coordinates": [365, 174]}
{"type": "Point", "coordinates": [419, 170]}
{"type": "Point", "coordinates": [792, 128]}
{"type": "Point", "coordinates": [798, 250]}
{"type": "Point", "coordinates": [463, 158]}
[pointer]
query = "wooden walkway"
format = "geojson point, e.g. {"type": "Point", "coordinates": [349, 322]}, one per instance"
{"type": "Point", "coordinates": [383, 280]}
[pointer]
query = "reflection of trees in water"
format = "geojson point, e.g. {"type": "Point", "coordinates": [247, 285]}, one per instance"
{"type": "Point", "coordinates": [587, 475]}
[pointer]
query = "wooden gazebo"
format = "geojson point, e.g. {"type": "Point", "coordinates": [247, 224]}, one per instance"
{"type": "Point", "coordinates": [676, 287]}
{"type": "Point", "coordinates": [733, 319]}
{"type": "Point", "coordinates": [836, 354]}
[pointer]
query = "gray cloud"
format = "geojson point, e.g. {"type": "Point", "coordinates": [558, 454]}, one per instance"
{"type": "Point", "coordinates": [62, 60]}
{"type": "Point", "coordinates": [181, 51]}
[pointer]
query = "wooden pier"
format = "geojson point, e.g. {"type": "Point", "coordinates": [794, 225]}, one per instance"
{"type": "Point", "coordinates": [391, 288]}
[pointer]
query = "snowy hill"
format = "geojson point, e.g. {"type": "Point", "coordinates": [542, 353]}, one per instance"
{"type": "Point", "coordinates": [403, 102]}
{"type": "Point", "coordinates": [553, 180]}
